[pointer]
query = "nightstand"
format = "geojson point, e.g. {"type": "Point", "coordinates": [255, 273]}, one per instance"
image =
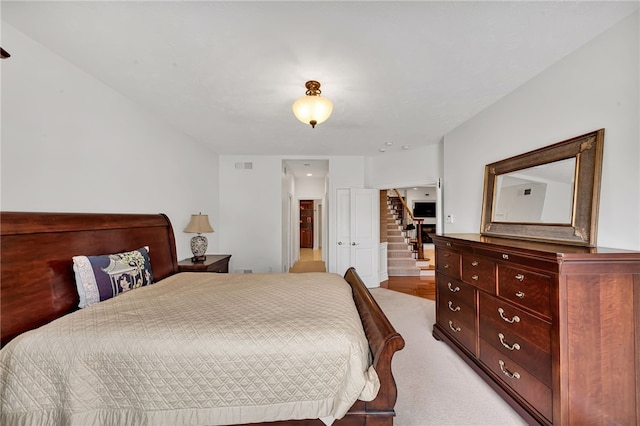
{"type": "Point", "coordinates": [214, 263]}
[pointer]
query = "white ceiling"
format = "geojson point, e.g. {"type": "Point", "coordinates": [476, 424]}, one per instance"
{"type": "Point", "coordinates": [318, 169]}
{"type": "Point", "coordinates": [226, 73]}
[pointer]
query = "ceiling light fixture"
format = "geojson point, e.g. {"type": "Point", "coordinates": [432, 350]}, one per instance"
{"type": "Point", "coordinates": [312, 108]}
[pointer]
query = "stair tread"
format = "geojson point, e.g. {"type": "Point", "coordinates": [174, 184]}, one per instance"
{"type": "Point", "coordinates": [400, 257]}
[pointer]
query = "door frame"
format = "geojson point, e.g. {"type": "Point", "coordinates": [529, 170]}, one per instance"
{"type": "Point", "coordinates": [314, 219]}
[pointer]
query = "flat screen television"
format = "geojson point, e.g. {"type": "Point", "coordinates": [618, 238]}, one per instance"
{"type": "Point", "coordinates": [424, 209]}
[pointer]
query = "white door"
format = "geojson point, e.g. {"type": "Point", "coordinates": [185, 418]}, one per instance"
{"type": "Point", "coordinates": [343, 230]}
{"type": "Point", "coordinates": [358, 233]}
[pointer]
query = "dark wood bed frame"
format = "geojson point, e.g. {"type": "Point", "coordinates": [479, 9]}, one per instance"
{"type": "Point", "coordinates": [37, 284]}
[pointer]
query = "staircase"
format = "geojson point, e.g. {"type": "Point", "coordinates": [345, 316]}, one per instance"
{"type": "Point", "coordinates": [401, 256]}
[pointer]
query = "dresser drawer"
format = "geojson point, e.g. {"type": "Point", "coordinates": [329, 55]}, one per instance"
{"type": "Point", "coordinates": [459, 305]}
{"type": "Point", "coordinates": [479, 271]}
{"type": "Point", "coordinates": [516, 259]}
{"type": "Point", "coordinates": [457, 310]}
{"type": "Point", "coordinates": [526, 340]}
{"type": "Point", "coordinates": [459, 325]}
{"type": "Point", "coordinates": [454, 291]}
{"type": "Point", "coordinates": [448, 262]}
{"type": "Point", "coordinates": [525, 288]}
{"type": "Point", "coordinates": [515, 321]}
{"type": "Point", "coordinates": [535, 392]}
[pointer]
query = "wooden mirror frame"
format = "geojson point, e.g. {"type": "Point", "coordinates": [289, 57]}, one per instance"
{"type": "Point", "coordinates": [587, 149]}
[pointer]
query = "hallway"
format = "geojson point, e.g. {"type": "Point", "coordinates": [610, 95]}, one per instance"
{"type": "Point", "coordinates": [310, 261]}
{"type": "Point", "coordinates": [307, 254]}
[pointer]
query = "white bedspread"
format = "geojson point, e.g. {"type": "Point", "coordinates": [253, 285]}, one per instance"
{"type": "Point", "coordinates": [195, 348]}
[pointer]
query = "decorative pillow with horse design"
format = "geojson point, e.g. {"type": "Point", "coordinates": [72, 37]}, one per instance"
{"type": "Point", "coordinates": [102, 277]}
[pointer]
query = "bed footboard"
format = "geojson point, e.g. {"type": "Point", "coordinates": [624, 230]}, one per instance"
{"type": "Point", "coordinates": [384, 342]}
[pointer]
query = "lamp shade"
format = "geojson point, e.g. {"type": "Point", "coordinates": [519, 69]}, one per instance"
{"type": "Point", "coordinates": [312, 108]}
{"type": "Point", "coordinates": [199, 224]}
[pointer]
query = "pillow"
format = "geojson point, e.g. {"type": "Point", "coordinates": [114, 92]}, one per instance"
{"type": "Point", "coordinates": [100, 278]}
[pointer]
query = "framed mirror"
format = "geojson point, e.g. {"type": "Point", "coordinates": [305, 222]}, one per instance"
{"type": "Point", "coordinates": [550, 194]}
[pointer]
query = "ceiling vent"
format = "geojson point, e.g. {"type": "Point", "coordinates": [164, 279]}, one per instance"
{"type": "Point", "coordinates": [244, 165]}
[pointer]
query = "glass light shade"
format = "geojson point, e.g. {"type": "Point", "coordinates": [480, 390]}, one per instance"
{"type": "Point", "coordinates": [312, 109]}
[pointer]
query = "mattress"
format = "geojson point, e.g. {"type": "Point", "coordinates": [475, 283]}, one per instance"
{"type": "Point", "coordinates": [195, 348]}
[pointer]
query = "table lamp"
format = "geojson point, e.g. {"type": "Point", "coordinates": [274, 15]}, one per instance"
{"type": "Point", "coordinates": [199, 224]}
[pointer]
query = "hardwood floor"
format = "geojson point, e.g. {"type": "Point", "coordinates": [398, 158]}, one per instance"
{"type": "Point", "coordinates": [310, 261]}
{"type": "Point", "coordinates": [415, 286]}
{"type": "Point", "coordinates": [310, 254]}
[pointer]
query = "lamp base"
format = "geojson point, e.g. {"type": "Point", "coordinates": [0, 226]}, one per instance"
{"type": "Point", "coordinates": [199, 248]}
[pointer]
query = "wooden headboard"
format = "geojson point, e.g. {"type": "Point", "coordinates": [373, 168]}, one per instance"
{"type": "Point", "coordinates": [37, 283]}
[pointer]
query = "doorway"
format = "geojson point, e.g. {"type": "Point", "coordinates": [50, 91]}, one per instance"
{"type": "Point", "coordinates": [310, 259]}
{"type": "Point", "coordinates": [306, 223]}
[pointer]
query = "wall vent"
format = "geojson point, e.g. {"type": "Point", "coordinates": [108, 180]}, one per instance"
{"type": "Point", "coordinates": [244, 165]}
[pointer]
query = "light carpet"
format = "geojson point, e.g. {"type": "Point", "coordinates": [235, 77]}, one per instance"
{"type": "Point", "coordinates": [435, 386]}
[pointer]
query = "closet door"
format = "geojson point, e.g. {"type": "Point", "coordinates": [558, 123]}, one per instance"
{"type": "Point", "coordinates": [357, 233]}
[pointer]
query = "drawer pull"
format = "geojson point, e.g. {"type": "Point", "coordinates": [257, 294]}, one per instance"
{"type": "Point", "coordinates": [514, 375]}
{"type": "Point", "coordinates": [446, 255]}
{"type": "Point", "coordinates": [505, 256]}
{"type": "Point", "coordinates": [520, 295]}
{"type": "Point", "coordinates": [446, 266]}
{"type": "Point", "coordinates": [453, 289]}
{"type": "Point", "coordinates": [519, 277]}
{"type": "Point", "coordinates": [515, 346]}
{"type": "Point", "coordinates": [510, 321]}
{"type": "Point", "coordinates": [474, 277]}
{"type": "Point", "coordinates": [457, 308]}
{"type": "Point", "coordinates": [448, 244]}
{"type": "Point", "coordinates": [456, 329]}
{"type": "Point", "coordinates": [474, 263]}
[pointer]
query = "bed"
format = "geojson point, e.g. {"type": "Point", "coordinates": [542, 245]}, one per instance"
{"type": "Point", "coordinates": [38, 288]}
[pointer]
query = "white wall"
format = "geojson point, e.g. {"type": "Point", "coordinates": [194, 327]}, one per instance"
{"type": "Point", "coordinates": [72, 144]}
{"type": "Point", "coordinates": [597, 86]}
{"type": "Point", "coordinates": [415, 167]}
{"type": "Point", "coordinates": [253, 202]}
{"type": "Point", "coordinates": [514, 205]}
{"type": "Point", "coordinates": [310, 189]}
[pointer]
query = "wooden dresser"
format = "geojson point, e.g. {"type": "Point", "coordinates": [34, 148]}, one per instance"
{"type": "Point", "coordinates": [554, 329]}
